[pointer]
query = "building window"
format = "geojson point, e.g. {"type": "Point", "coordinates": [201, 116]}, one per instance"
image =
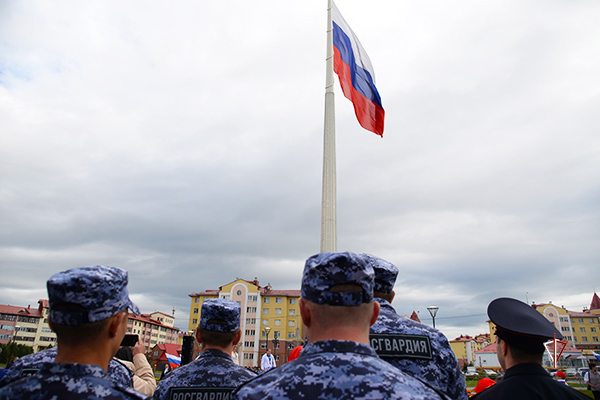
{"type": "Point", "coordinates": [591, 320]}
{"type": "Point", "coordinates": [592, 329]}
{"type": "Point", "coordinates": [277, 322]}
{"type": "Point", "coordinates": [263, 345]}
{"type": "Point", "coordinates": [291, 335]}
{"type": "Point", "coordinates": [276, 334]}
{"type": "Point", "coordinates": [195, 311]}
{"type": "Point", "coordinates": [292, 301]}
{"type": "Point", "coordinates": [564, 328]}
{"type": "Point", "coordinates": [251, 309]}
{"type": "Point", "coordinates": [582, 330]}
{"type": "Point", "coordinates": [239, 292]}
{"type": "Point", "coordinates": [265, 322]}
{"type": "Point", "coordinates": [251, 321]}
{"type": "Point", "coordinates": [595, 339]}
{"type": "Point", "coordinates": [278, 311]}
{"type": "Point", "coordinates": [551, 315]}
{"type": "Point", "coordinates": [584, 339]}
{"type": "Point", "coordinates": [580, 320]}
{"type": "Point", "coordinates": [292, 323]}
{"type": "Point", "coordinates": [196, 299]}
{"type": "Point", "coordinates": [194, 321]}
{"type": "Point", "coordinates": [225, 296]}
{"type": "Point", "coordinates": [251, 298]}
{"type": "Point", "coordinates": [266, 300]}
{"type": "Point", "coordinates": [292, 312]}
{"type": "Point", "coordinates": [277, 299]}
{"type": "Point", "coordinates": [265, 311]}
{"type": "Point", "coordinates": [250, 332]}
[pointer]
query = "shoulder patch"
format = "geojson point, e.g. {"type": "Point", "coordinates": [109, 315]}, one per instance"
{"type": "Point", "coordinates": [200, 393]}
{"type": "Point", "coordinates": [388, 345]}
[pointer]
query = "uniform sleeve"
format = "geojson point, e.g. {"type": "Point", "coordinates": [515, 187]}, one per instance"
{"type": "Point", "coordinates": [143, 380]}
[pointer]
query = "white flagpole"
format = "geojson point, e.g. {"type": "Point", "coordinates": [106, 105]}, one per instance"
{"type": "Point", "coordinates": [328, 205]}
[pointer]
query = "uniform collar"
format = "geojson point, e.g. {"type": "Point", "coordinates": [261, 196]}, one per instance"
{"type": "Point", "coordinates": [214, 353]}
{"type": "Point", "coordinates": [526, 369]}
{"type": "Point", "coordinates": [337, 346]}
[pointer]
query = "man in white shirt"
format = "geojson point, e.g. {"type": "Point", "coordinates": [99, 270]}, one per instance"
{"type": "Point", "coordinates": [268, 361]}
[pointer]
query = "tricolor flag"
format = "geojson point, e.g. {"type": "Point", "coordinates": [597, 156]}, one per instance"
{"type": "Point", "coordinates": [174, 361]}
{"type": "Point", "coordinates": [357, 78]}
{"type": "Point", "coordinates": [596, 354]}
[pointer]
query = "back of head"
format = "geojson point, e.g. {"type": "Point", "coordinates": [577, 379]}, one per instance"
{"type": "Point", "coordinates": [340, 287]}
{"type": "Point", "coordinates": [385, 276]}
{"type": "Point", "coordinates": [82, 299]}
{"type": "Point", "coordinates": [523, 328]}
{"type": "Point", "coordinates": [219, 322]}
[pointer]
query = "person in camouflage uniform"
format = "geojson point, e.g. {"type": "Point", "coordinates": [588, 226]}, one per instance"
{"type": "Point", "coordinates": [213, 374]}
{"type": "Point", "coordinates": [337, 309]}
{"type": "Point", "coordinates": [414, 348]}
{"type": "Point", "coordinates": [31, 363]}
{"type": "Point", "coordinates": [88, 312]}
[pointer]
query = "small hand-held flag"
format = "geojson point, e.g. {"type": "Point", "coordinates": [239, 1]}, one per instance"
{"type": "Point", "coordinates": [357, 77]}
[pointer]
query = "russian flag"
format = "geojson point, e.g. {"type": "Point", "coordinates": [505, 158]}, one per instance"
{"type": "Point", "coordinates": [174, 361]}
{"type": "Point", "coordinates": [357, 77]}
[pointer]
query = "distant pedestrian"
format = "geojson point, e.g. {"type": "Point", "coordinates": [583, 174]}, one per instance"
{"type": "Point", "coordinates": [268, 361]}
{"type": "Point", "coordinates": [592, 378]}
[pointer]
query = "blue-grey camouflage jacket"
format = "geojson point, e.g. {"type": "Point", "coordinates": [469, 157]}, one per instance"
{"type": "Point", "coordinates": [212, 369]}
{"type": "Point", "coordinates": [335, 369]}
{"type": "Point", "coordinates": [418, 350]}
{"type": "Point", "coordinates": [67, 381]}
{"type": "Point", "coordinates": [29, 364]}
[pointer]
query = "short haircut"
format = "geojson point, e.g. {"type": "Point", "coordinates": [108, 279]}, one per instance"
{"type": "Point", "coordinates": [523, 357]}
{"type": "Point", "coordinates": [218, 339]}
{"type": "Point", "coordinates": [77, 335]}
{"type": "Point", "coordinates": [329, 316]}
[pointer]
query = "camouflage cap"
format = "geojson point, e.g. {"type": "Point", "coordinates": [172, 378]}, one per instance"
{"type": "Point", "coordinates": [99, 291]}
{"type": "Point", "coordinates": [220, 315]}
{"type": "Point", "coordinates": [385, 273]}
{"type": "Point", "coordinates": [324, 271]}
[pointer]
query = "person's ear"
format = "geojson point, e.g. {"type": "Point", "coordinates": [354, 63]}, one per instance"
{"type": "Point", "coordinates": [393, 295]}
{"type": "Point", "coordinates": [305, 312]}
{"type": "Point", "coordinates": [114, 324]}
{"type": "Point", "coordinates": [376, 309]}
{"type": "Point", "coordinates": [237, 338]}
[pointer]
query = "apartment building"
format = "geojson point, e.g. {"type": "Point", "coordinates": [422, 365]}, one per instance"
{"type": "Point", "coordinates": [26, 326]}
{"type": "Point", "coordinates": [465, 347]}
{"type": "Point", "coordinates": [153, 329]}
{"type": "Point", "coordinates": [580, 329]}
{"type": "Point", "coordinates": [269, 318]}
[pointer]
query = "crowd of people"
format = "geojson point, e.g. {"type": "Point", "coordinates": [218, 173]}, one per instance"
{"type": "Point", "coordinates": [357, 346]}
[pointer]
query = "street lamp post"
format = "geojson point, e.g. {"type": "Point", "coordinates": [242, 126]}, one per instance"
{"type": "Point", "coordinates": [433, 311]}
{"type": "Point", "coordinates": [13, 343]}
{"type": "Point", "coordinates": [267, 330]}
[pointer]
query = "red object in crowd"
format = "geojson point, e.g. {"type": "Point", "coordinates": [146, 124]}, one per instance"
{"type": "Point", "coordinates": [295, 353]}
{"type": "Point", "coordinates": [484, 384]}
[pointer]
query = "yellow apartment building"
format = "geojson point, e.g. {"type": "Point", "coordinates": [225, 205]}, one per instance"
{"type": "Point", "coordinates": [269, 318]}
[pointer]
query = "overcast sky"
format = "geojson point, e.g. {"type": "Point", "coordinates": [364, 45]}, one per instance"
{"type": "Point", "coordinates": [182, 141]}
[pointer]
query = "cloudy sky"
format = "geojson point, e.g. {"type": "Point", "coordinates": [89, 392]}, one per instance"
{"type": "Point", "coordinates": [183, 141]}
